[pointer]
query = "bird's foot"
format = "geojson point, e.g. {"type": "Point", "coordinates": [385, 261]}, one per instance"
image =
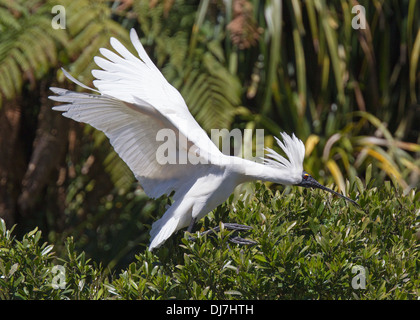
{"type": "Point", "coordinates": [242, 241]}
{"type": "Point", "coordinates": [234, 227]}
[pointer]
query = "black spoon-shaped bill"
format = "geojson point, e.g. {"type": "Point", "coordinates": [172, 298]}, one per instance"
{"type": "Point", "coordinates": [309, 182]}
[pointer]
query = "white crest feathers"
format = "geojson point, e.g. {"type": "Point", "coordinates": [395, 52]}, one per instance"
{"type": "Point", "coordinates": [294, 150]}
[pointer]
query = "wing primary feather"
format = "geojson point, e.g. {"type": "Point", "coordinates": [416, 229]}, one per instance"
{"type": "Point", "coordinates": [140, 50]}
{"type": "Point", "coordinates": [70, 77]}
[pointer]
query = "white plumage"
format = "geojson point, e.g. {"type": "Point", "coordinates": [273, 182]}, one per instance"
{"type": "Point", "coordinates": [134, 102]}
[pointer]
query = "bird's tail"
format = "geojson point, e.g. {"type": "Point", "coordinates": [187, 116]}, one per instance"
{"type": "Point", "coordinates": [162, 230]}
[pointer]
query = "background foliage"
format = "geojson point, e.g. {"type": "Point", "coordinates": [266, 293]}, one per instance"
{"type": "Point", "coordinates": [303, 252]}
{"type": "Point", "coordinates": [297, 66]}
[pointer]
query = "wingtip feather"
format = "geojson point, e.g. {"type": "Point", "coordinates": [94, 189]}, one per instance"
{"type": "Point", "coordinates": [161, 231]}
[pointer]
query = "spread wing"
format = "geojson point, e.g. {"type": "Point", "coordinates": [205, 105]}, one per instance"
{"type": "Point", "coordinates": [144, 117]}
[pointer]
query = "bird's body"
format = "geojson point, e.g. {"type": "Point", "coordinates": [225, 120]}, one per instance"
{"type": "Point", "coordinates": [150, 127]}
{"type": "Point", "coordinates": [214, 184]}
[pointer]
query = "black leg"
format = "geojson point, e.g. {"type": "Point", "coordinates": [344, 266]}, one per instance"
{"type": "Point", "coordinates": [236, 226]}
{"type": "Point", "coordinates": [191, 226]}
{"type": "Point", "coordinates": [228, 226]}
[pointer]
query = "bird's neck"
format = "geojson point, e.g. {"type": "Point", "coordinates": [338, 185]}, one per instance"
{"type": "Point", "coordinates": [247, 170]}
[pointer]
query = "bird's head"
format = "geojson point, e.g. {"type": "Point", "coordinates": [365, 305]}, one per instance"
{"type": "Point", "coordinates": [309, 182]}
{"type": "Point", "coordinates": [295, 152]}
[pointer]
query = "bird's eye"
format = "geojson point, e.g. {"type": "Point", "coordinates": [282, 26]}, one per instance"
{"type": "Point", "coordinates": [306, 176]}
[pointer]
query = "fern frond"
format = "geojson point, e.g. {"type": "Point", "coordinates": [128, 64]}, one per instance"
{"type": "Point", "coordinates": [28, 44]}
{"type": "Point", "coordinates": [7, 20]}
{"type": "Point", "coordinates": [90, 26]}
{"type": "Point", "coordinates": [212, 93]}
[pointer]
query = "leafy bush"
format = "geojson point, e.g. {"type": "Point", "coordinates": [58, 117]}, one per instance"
{"type": "Point", "coordinates": [309, 246]}
{"type": "Point", "coordinates": [29, 270]}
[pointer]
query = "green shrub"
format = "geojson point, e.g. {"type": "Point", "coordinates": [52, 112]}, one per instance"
{"type": "Point", "coordinates": [310, 245]}
{"type": "Point", "coordinates": [30, 270]}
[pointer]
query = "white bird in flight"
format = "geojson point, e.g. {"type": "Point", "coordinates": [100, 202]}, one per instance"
{"type": "Point", "coordinates": [134, 102]}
